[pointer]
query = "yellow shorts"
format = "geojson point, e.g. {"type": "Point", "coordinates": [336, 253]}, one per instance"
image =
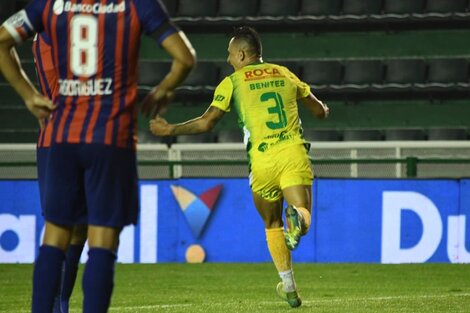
{"type": "Point", "coordinates": [282, 168]}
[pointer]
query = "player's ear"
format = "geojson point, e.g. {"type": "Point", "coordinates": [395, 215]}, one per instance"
{"type": "Point", "coordinates": [241, 55]}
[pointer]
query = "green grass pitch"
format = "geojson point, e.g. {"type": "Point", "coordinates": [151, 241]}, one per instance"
{"type": "Point", "coordinates": [246, 288]}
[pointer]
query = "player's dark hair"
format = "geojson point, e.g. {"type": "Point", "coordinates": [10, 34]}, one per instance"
{"type": "Point", "coordinates": [251, 37]}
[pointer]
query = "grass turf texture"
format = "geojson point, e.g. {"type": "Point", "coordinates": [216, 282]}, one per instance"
{"type": "Point", "coordinates": [244, 288]}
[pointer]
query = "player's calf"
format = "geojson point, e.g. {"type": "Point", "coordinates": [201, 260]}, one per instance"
{"type": "Point", "coordinates": [305, 220]}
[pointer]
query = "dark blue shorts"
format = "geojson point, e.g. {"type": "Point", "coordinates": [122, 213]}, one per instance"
{"type": "Point", "coordinates": [88, 183]}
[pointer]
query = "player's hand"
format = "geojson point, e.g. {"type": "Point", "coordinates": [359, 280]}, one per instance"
{"type": "Point", "coordinates": [160, 127]}
{"type": "Point", "coordinates": [41, 107]}
{"type": "Point", "coordinates": [326, 109]}
{"type": "Point", "coordinates": [156, 101]}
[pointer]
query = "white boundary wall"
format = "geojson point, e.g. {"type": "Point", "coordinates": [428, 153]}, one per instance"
{"type": "Point", "coordinates": [455, 150]}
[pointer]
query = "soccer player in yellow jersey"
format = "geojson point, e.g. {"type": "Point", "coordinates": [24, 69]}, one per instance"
{"type": "Point", "coordinates": [265, 97]}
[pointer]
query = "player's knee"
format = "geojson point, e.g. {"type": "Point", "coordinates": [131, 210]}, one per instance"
{"type": "Point", "coordinates": [57, 236]}
{"type": "Point", "coordinates": [103, 237]}
{"type": "Point", "coordinates": [104, 243]}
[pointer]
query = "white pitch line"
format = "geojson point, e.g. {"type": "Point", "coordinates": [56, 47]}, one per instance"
{"type": "Point", "coordinates": [130, 308]}
{"type": "Point", "coordinates": [237, 303]}
{"type": "Point", "coordinates": [155, 306]}
{"type": "Point", "coordinates": [364, 299]}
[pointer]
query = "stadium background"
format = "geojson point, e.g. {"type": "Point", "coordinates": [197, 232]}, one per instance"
{"type": "Point", "coordinates": [378, 93]}
{"type": "Point", "coordinates": [396, 76]}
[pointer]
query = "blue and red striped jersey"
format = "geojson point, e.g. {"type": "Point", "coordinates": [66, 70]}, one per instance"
{"type": "Point", "coordinates": [94, 52]}
{"type": "Point", "coordinates": [45, 70]}
{"type": "Point", "coordinates": [46, 73]}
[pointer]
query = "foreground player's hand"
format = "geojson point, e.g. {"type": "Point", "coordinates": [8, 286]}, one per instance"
{"type": "Point", "coordinates": [160, 127]}
{"type": "Point", "coordinates": [41, 107]}
{"type": "Point", "coordinates": [156, 101]}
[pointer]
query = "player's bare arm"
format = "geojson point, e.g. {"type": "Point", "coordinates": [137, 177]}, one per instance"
{"type": "Point", "coordinates": [184, 59]}
{"type": "Point", "coordinates": [201, 124]}
{"type": "Point", "coordinates": [40, 106]}
{"type": "Point", "coordinates": [315, 106]}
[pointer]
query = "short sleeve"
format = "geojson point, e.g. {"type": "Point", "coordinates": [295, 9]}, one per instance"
{"type": "Point", "coordinates": [223, 95]}
{"type": "Point", "coordinates": [303, 89]}
{"type": "Point", "coordinates": [152, 15]}
{"type": "Point", "coordinates": [25, 23]}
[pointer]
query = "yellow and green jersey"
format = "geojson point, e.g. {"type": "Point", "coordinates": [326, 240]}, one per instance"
{"type": "Point", "coordinates": [265, 98]}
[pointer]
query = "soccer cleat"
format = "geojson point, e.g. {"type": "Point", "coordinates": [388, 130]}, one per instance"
{"type": "Point", "coordinates": [294, 227]}
{"type": "Point", "coordinates": [292, 298]}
